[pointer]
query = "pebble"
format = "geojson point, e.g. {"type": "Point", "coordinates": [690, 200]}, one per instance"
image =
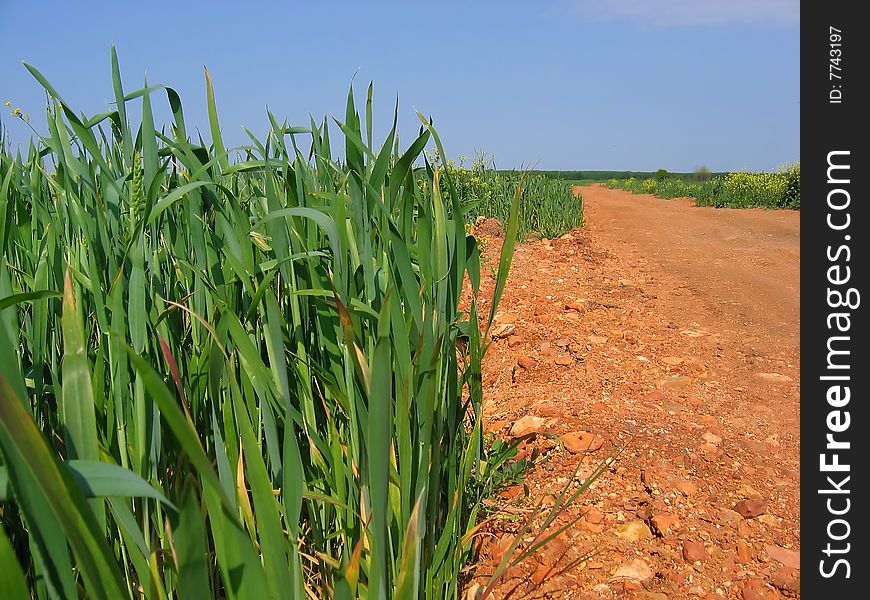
{"type": "Point", "coordinates": [774, 377]}
{"type": "Point", "coordinates": [711, 438]}
{"type": "Point", "coordinates": [787, 580]}
{"type": "Point", "coordinates": [503, 331]}
{"type": "Point", "coordinates": [751, 507]}
{"type": "Point", "coordinates": [636, 570]}
{"type": "Point", "coordinates": [526, 425]}
{"type": "Point", "coordinates": [633, 531]}
{"type": "Point", "coordinates": [708, 448]}
{"type": "Point", "coordinates": [515, 340]}
{"type": "Point", "coordinates": [664, 523]}
{"type": "Point", "coordinates": [564, 360]}
{"type": "Point", "coordinates": [694, 551]}
{"type": "Point", "coordinates": [753, 589]}
{"type": "Point", "coordinates": [784, 556]}
{"type": "Point", "coordinates": [527, 362]}
{"type": "Point", "coordinates": [686, 488]}
{"type": "Point", "coordinates": [582, 441]}
{"type": "Point", "coordinates": [742, 552]}
{"type": "Point", "coordinates": [729, 517]}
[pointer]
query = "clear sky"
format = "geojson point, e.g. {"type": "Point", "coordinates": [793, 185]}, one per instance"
{"type": "Point", "coordinates": [561, 84]}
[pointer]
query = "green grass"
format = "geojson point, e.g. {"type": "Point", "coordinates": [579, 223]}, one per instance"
{"type": "Point", "coordinates": [548, 208]}
{"type": "Point", "coordinates": [240, 374]}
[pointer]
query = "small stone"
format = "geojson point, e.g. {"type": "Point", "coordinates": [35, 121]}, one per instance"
{"type": "Point", "coordinates": [562, 342]}
{"type": "Point", "coordinates": [633, 531]}
{"type": "Point", "coordinates": [751, 507]}
{"type": "Point", "coordinates": [515, 340]}
{"type": "Point", "coordinates": [675, 382]}
{"type": "Point", "coordinates": [564, 360]}
{"type": "Point", "coordinates": [664, 524]}
{"type": "Point", "coordinates": [772, 440]}
{"type": "Point", "coordinates": [578, 306]}
{"type": "Point", "coordinates": [636, 570]}
{"type": "Point", "coordinates": [694, 551]}
{"type": "Point", "coordinates": [673, 361]}
{"type": "Point", "coordinates": [769, 520]}
{"type": "Point", "coordinates": [773, 377]}
{"type": "Point", "coordinates": [730, 517]}
{"type": "Point", "coordinates": [527, 362]}
{"type": "Point", "coordinates": [686, 488]}
{"type": "Point", "coordinates": [711, 438]}
{"type": "Point", "coordinates": [708, 448]}
{"type": "Point", "coordinates": [597, 339]}
{"type": "Point", "coordinates": [693, 333]}
{"type": "Point", "coordinates": [742, 552]}
{"type": "Point", "coordinates": [503, 331]}
{"type": "Point", "coordinates": [753, 589]}
{"type": "Point", "coordinates": [582, 441]}
{"type": "Point", "coordinates": [787, 580]}
{"type": "Point", "coordinates": [592, 514]}
{"type": "Point", "coordinates": [784, 556]}
{"type": "Point", "coordinates": [526, 425]}
{"type": "Point", "coordinates": [513, 492]}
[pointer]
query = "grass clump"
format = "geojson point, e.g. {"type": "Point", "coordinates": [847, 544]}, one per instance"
{"type": "Point", "coordinates": [240, 375]}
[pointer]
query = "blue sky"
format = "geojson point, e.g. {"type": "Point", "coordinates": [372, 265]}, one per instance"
{"type": "Point", "coordinates": [563, 84]}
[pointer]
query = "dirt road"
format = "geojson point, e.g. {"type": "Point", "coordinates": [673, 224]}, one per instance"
{"type": "Point", "coordinates": [667, 333]}
{"type": "Point", "coordinates": [746, 260]}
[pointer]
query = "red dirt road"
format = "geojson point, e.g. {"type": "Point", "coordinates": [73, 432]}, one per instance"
{"type": "Point", "coordinates": [744, 264]}
{"type": "Point", "coordinates": [670, 332]}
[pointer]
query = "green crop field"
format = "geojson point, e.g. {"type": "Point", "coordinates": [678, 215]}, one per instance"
{"type": "Point", "coordinates": [244, 374]}
{"type": "Point", "coordinates": [549, 208]}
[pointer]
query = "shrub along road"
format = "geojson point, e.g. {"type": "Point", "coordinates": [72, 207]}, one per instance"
{"type": "Point", "coordinates": [673, 331]}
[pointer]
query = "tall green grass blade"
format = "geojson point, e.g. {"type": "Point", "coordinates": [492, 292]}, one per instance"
{"type": "Point", "coordinates": [51, 488]}
{"type": "Point", "coordinates": [12, 581]}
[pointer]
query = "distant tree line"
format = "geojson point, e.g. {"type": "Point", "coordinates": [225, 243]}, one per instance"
{"type": "Point", "coordinates": [607, 175]}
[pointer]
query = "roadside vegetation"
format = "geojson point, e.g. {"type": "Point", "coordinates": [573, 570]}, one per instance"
{"type": "Point", "coordinates": [547, 208]}
{"type": "Point", "coordinates": [732, 190]}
